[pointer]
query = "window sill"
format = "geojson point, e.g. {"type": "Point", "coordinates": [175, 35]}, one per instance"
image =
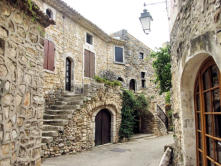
{"type": "Point", "coordinates": [49, 71]}
{"type": "Point", "coordinates": [119, 63]}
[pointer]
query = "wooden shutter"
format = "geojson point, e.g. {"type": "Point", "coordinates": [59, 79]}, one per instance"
{"type": "Point", "coordinates": [51, 55]}
{"type": "Point", "coordinates": [92, 65]}
{"type": "Point", "coordinates": [86, 63]}
{"type": "Point", "coordinates": [45, 54]}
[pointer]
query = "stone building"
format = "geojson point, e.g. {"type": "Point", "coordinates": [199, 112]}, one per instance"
{"type": "Point", "coordinates": [21, 82]}
{"type": "Point", "coordinates": [75, 51]}
{"type": "Point", "coordinates": [196, 65]}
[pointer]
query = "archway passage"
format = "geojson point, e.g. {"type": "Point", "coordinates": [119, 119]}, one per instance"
{"type": "Point", "coordinates": [132, 85]}
{"type": "Point", "coordinates": [68, 75]}
{"type": "Point", "coordinates": [208, 114]}
{"type": "Point", "coordinates": [103, 127]}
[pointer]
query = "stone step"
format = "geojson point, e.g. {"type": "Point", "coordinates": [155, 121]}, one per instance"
{"type": "Point", "coordinates": [52, 128]}
{"type": "Point", "coordinates": [61, 116]}
{"type": "Point", "coordinates": [49, 133]}
{"type": "Point", "coordinates": [69, 102]}
{"type": "Point", "coordinates": [76, 98]}
{"type": "Point", "coordinates": [58, 112]}
{"type": "Point", "coordinates": [55, 122]}
{"type": "Point", "coordinates": [46, 139]}
{"type": "Point", "coordinates": [71, 95]}
{"type": "Point", "coordinates": [62, 107]}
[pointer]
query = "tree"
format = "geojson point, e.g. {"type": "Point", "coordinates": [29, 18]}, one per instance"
{"type": "Point", "coordinates": [162, 66]}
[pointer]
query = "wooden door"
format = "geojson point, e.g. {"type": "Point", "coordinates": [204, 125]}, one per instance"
{"type": "Point", "coordinates": [103, 127]}
{"type": "Point", "coordinates": [208, 115]}
{"type": "Point", "coordinates": [68, 75]}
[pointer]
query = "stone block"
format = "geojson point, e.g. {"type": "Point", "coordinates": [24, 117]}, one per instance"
{"type": "Point", "coordinates": [5, 162]}
{"type": "Point", "coordinates": [3, 32]}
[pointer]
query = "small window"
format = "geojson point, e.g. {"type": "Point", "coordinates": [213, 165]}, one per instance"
{"type": "Point", "coordinates": [141, 55]}
{"type": "Point", "coordinates": [49, 13]}
{"type": "Point", "coordinates": [143, 83]}
{"type": "Point", "coordinates": [89, 39]}
{"type": "Point", "coordinates": [119, 55]}
{"type": "Point", "coordinates": [143, 74]}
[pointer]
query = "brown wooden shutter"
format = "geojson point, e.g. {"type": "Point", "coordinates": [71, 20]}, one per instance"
{"type": "Point", "coordinates": [51, 55]}
{"type": "Point", "coordinates": [92, 65]}
{"type": "Point", "coordinates": [45, 54]}
{"type": "Point", "coordinates": [86, 63]}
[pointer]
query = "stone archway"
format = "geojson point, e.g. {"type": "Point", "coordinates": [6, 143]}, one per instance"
{"type": "Point", "coordinates": [113, 125]}
{"type": "Point", "coordinates": [187, 114]}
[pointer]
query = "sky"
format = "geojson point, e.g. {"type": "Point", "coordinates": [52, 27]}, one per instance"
{"type": "Point", "coordinates": [114, 15]}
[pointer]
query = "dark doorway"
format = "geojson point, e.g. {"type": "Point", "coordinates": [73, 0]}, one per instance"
{"type": "Point", "coordinates": [103, 127]}
{"type": "Point", "coordinates": [68, 75]}
{"type": "Point", "coordinates": [132, 85]}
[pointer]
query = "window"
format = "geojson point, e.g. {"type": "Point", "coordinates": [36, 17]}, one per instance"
{"type": "Point", "coordinates": [141, 55]}
{"type": "Point", "coordinates": [49, 55]}
{"type": "Point", "coordinates": [143, 74]}
{"type": "Point", "coordinates": [89, 39]}
{"type": "Point", "coordinates": [207, 114]}
{"type": "Point", "coordinates": [119, 54]}
{"type": "Point", "coordinates": [49, 13]}
{"type": "Point", "coordinates": [120, 79]}
{"type": "Point", "coordinates": [89, 64]}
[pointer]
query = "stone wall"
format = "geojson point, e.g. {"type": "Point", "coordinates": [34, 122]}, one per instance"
{"type": "Point", "coordinates": [21, 82]}
{"type": "Point", "coordinates": [79, 133]}
{"type": "Point", "coordinates": [194, 37]}
{"type": "Point", "coordinates": [134, 66]}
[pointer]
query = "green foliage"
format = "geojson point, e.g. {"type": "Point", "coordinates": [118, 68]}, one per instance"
{"type": "Point", "coordinates": [162, 66]}
{"type": "Point", "coordinates": [168, 97]}
{"type": "Point", "coordinates": [131, 106]}
{"type": "Point", "coordinates": [127, 113]}
{"type": "Point", "coordinates": [141, 105]}
{"type": "Point", "coordinates": [113, 83]}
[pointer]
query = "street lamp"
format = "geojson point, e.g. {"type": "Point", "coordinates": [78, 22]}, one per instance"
{"type": "Point", "coordinates": [146, 18]}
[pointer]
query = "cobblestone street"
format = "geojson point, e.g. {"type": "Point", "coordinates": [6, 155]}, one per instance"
{"type": "Point", "coordinates": [139, 152]}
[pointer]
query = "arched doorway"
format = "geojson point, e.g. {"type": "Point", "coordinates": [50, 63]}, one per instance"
{"type": "Point", "coordinates": [132, 85]}
{"type": "Point", "coordinates": [68, 75]}
{"type": "Point", "coordinates": [208, 114]}
{"type": "Point", "coordinates": [103, 127]}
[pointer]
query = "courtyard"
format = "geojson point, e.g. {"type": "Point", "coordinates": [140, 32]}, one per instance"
{"type": "Point", "coordinates": [145, 151]}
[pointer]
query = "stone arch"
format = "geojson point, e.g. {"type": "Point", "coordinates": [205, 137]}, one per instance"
{"type": "Point", "coordinates": [70, 57]}
{"type": "Point", "coordinates": [187, 115]}
{"type": "Point", "coordinates": [113, 111]}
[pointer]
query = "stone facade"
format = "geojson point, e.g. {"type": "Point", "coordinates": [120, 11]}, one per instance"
{"type": "Point", "coordinates": [195, 36]}
{"type": "Point", "coordinates": [79, 134]}
{"type": "Point", "coordinates": [69, 37]}
{"type": "Point", "coordinates": [134, 65]}
{"type": "Point", "coordinates": [21, 83]}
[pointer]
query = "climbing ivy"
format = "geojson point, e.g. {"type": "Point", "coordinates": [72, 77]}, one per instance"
{"type": "Point", "coordinates": [162, 66]}
{"type": "Point", "coordinates": [131, 106]}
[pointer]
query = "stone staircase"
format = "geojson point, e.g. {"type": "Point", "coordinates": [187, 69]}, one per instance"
{"type": "Point", "coordinates": [56, 116]}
